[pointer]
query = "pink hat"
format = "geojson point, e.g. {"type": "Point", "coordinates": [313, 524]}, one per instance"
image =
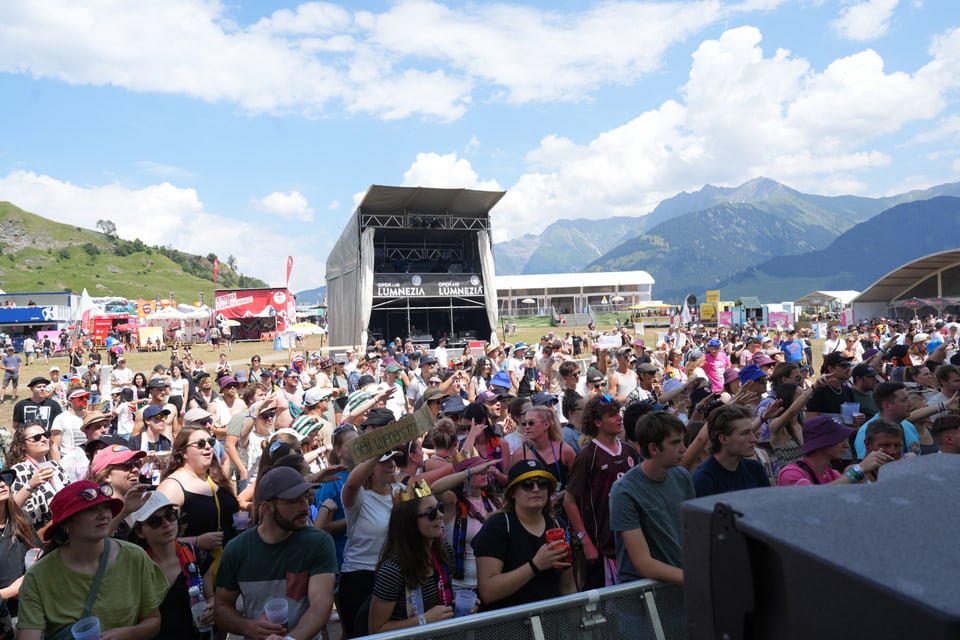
{"type": "Point", "coordinates": [114, 454]}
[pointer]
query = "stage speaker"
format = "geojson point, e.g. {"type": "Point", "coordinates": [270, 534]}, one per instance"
{"type": "Point", "coordinates": [841, 561]}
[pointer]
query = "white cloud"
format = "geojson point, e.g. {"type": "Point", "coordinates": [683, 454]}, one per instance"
{"type": "Point", "coordinates": [743, 115]}
{"type": "Point", "coordinates": [163, 170]}
{"type": "Point", "coordinates": [445, 171]}
{"type": "Point", "coordinates": [418, 57]}
{"type": "Point", "coordinates": [290, 206]}
{"type": "Point", "coordinates": [866, 20]}
{"type": "Point", "coordinates": [164, 214]}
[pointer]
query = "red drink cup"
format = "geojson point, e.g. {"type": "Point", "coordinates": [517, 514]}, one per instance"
{"type": "Point", "coordinates": [559, 534]}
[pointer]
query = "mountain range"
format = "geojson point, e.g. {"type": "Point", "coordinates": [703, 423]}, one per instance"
{"type": "Point", "coordinates": [715, 237]}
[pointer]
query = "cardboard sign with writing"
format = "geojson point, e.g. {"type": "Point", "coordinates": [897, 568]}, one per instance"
{"type": "Point", "coordinates": [392, 435]}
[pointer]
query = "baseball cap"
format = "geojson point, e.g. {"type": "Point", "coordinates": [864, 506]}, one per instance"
{"type": "Point", "coordinates": [157, 383]}
{"type": "Point", "coordinates": [155, 502]}
{"type": "Point", "coordinates": [196, 416]}
{"type": "Point", "coordinates": [282, 482]}
{"type": "Point", "coordinates": [315, 395]}
{"type": "Point", "coordinates": [113, 454]}
{"type": "Point", "coordinates": [525, 469]}
{"type": "Point", "coordinates": [153, 410]}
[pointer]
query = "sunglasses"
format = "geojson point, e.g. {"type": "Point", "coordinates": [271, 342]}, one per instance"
{"type": "Point", "coordinates": [432, 513]}
{"type": "Point", "coordinates": [39, 436]}
{"type": "Point", "coordinates": [127, 466]}
{"type": "Point", "coordinates": [206, 422]}
{"type": "Point", "coordinates": [607, 399]}
{"type": "Point", "coordinates": [91, 494]}
{"type": "Point", "coordinates": [529, 423]}
{"type": "Point", "coordinates": [203, 444]}
{"type": "Point", "coordinates": [7, 476]}
{"type": "Point", "coordinates": [270, 415]}
{"type": "Point", "coordinates": [156, 521]}
{"type": "Point", "coordinates": [531, 483]}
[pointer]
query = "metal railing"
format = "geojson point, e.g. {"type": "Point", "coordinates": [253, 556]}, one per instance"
{"type": "Point", "coordinates": [642, 610]}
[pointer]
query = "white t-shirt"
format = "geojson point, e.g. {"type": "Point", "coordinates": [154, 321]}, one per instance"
{"type": "Point", "coordinates": [366, 530]}
{"type": "Point", "coordinates": [121, 378]}
{"type": "Point", "coordinates": [68, 424]}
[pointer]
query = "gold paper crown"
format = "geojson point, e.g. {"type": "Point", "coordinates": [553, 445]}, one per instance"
{"type": "Point", "coordinates": [460, 456]}
{"type": "Point", "coordinates": [411, 492]}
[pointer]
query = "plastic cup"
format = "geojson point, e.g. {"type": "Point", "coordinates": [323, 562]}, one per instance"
{"type": "Point", "coordinates": [86, 629]}
{"type": "Point", "coordinates": [30, 558]}
{"type": "Point", "coordinates": [276, 610]}
{"type": "Point", "coordinates": [464, 600]}
{"type": "Point", "coordinates": [241, 520]}
{"type": "Point", "coordinates": [555, 534]}
{"type": "Point", "coordinates": [847, 410]}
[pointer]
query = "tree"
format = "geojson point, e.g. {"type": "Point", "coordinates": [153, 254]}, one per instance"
{"type": "Point", "coordinates": [107, 227]}
{"type": "Point", "coordinates": [232, 262]}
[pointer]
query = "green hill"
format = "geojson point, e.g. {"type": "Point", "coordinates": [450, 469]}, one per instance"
{"type": "Point", "coordinates": [37, 254]}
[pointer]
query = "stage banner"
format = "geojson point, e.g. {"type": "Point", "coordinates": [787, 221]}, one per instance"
{"type": "Point", "coordinates": [416, 285]}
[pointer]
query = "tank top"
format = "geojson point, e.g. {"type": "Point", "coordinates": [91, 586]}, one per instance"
{"type": "Point", "coordinates": [200, 513]}
{"type": "Point", "coordinates": [556, 468]}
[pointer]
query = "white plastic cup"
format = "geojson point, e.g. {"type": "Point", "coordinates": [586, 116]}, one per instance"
{"type": "Point", "coordinates": [276, 610]}
{"type": "Point", "coordinates": [464, 601]}
{"type": "Point", "coordinates": [241, 520]}
{"type": "Point", "coordinates": [847, 410]}
{"type": "Point", "coordinates": [30, 558]}
{"type": "Point", "coordinates": [86, 629]}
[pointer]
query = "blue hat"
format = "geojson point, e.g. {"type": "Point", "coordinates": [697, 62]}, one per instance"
{"type": "Point", "coordinates": [542, 398]}
{"type": "Point", "coordinates": [501, 379]}
{"type": "Point", "coordinates": [451, 405]}
{"type": "Point", "coordinates": [520, 345]}
{"type": "Point", "coordinates": [751, 372]}
{"type": "Point", "coordinates": [714, 343]}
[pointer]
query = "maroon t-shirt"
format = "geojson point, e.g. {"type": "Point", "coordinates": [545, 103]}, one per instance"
{"type": "Point", "coordinates": [594, 472]}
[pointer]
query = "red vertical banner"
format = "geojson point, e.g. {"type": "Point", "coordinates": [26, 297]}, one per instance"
{"type": "Point", "coordinates": [216, 269]}
{"type": "Point", "coordinates": [289, 269]}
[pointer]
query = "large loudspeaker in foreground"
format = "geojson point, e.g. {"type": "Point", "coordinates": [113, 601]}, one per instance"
{"type": "Point", "coordinates": [854, 562]}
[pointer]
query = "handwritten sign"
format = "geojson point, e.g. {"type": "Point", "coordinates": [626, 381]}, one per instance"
{"type": "Point", "coordinates": [392, 435]}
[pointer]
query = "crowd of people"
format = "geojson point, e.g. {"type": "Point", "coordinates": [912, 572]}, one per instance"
{"type": "Point", "coordinates": [198, 502]}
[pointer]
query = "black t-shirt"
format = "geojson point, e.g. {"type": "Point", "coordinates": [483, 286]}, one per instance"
{"type": "Point", "coordinates": [29, 411]}
{"type": "Point", "coordinates": [826, 399]}
{"type": "Point", "coordinates": [503, 537]}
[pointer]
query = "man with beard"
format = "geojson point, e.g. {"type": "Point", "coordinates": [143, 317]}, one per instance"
{"type": "Point", "coordinates": [285, 556]}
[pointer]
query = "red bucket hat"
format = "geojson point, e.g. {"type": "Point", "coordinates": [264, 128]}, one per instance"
{"type": "Point", "coordinates": [77, 497]}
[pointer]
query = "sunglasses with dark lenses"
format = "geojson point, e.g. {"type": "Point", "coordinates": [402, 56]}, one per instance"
{"type": "Point", "coordinates": [91, 494]}
{"type": "Point", "coordinates": [156, 520]}
{"type": "Point", "coordinates": [270, 415]}
{"type": "Point", "coordinates": [203, 444]}
{"type": "Point", "coordinates": [539, 483]}
{"type": "Point", "coordinates": [432, 513]}
{"type": "Point", "coordinates": [127, 466]}
{"type": "Point", "coordinates": [206, 422]}
{"type": "Point", "coordinates": [7, 476]}
{"type": "Point", "coordinates": [39, 436]}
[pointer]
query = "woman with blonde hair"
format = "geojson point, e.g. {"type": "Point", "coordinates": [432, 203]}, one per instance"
{"type": "Point", "coordinates": [543, 440]}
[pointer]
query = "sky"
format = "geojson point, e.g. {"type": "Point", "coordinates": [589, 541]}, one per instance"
{"type": "Point", "coordinates": [253, 129]}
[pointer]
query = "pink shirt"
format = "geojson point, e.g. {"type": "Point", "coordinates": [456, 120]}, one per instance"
{"type": "Point", "coordinates": [792, 475]}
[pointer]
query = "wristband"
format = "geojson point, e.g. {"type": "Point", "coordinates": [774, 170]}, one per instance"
{"type": "Point", "coordinates": [855, 473]}
{"type": "Point", "coordinates": [536, 571]}
{"type": "Point", "coordinates": [323, 506]}
{"type": "Point", "coordinates": [468, 473]}
{"type": "Point", "coordinates": [581, 535]}
{"type": "Point", "coordinates": [422, 619]}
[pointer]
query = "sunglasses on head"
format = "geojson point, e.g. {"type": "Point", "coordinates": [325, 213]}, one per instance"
{"type": "Point", "coordinates": [607, 399]}
{"type": "Point", "coordinates": [37, 437]}
{"type": "Point", "coordinates": [90, 494]}
{"type": "Point", "coordinates": [156, 520]}
{"type": "Point", "coordinates": [204, 443]}
{"type": "Point", "coordinates": [432, 513]}
{"type": "Point", "coordinates": [530, 483]}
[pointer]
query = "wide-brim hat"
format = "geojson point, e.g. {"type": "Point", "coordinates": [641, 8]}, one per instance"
{"type": "Point", "coordinates": [823, 431]}
{"type": "Point", "coordinates": [525, 469]}
{"type": "Point", "coordinates": [358, 402]}
{"type": "Point", "coordinates": [73, 499]}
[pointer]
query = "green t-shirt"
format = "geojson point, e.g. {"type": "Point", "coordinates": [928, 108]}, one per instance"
{"type": "Point", "coordinates": [52, 595]}
{"type": "Point", "coordinates": [261, 571]}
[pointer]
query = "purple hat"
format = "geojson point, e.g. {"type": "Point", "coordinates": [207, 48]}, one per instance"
{"type": "Point", "coordinates": [823, 431]}
{"type": "Point", "coordinates": [488, 396]}
{"type": "Point", "coordinates": [227, 381]}
{"type": "Point", "coordinates": [762, 360]}
{"type": "Point", "coordinates": [729, 375]}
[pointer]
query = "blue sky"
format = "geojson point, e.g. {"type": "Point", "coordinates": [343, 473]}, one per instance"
{"type": "Point", "coordinates": [252, 129]}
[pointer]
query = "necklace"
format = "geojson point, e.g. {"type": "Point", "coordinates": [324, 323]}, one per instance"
{"type": "Point", "coordinates": [835, 391]}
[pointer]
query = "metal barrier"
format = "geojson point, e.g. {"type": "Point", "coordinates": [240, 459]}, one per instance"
{"type": "Point", "coordinates": [642, 610]}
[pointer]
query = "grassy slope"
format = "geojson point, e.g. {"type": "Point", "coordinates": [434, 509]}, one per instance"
{"type": "Point", "coordinates": [42, 255]}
